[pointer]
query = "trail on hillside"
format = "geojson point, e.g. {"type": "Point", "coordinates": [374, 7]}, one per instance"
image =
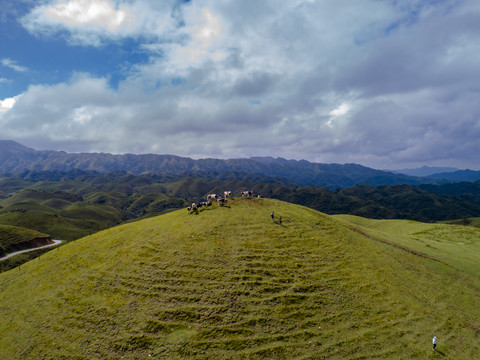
{"type": "Point", "coordinates": [55, 242]}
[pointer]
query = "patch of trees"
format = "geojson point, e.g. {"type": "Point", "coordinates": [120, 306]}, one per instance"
{"type": "Point", "coordinates": [459, 188]}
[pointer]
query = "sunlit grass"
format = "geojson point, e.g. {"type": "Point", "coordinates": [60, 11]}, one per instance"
{"type": "Point", "coordinates": [230, 283]}
{"type": "Point", "coordinates": [457, 245]}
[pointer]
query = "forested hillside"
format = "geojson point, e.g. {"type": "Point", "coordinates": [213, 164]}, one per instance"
{"type": "Point", "coordinates": [108, 199]}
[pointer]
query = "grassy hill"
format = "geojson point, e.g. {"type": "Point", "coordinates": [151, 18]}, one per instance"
{"type": "Point", "coordinates": [455, 245]}
{"type": "Point", "coordinates": [466, 221]}
{"type": "Point", "coordinates": [228, 283]}
{"type": "Point", "coordinates": [12, 237]}
{"type": "Point", "coordinates": [73, 209]}
{"type": "Point", "coordinates": [61, 214]}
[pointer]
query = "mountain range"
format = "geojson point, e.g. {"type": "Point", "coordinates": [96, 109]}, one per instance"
{"type": "Point", "coordinates": [424, 171]}
{"type": "Point", "coordinates": [16, 158]}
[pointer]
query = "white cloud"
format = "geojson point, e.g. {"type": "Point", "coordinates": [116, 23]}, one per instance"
{"type": "Point", "coordinates": [8, 103]}
{"type": "Point", "coordinates": [12, 64]}
{"type": "Point", "coordinates": [97, 13]}
{"type": "Point", "coordinates": [205, 33]}
{"type": "Point", "coordinates": [341, 110]}
{"type": "Point", "coordinates": [92, 22]}
{"type": "Point", "coordinates": [369, 82]}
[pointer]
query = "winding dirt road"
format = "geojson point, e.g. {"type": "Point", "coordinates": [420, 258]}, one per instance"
{"type": "Point", "coordinates": [55, 242]}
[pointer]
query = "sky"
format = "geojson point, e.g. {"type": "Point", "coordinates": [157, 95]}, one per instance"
{"type": "Point", "coordinates": [387, 84]}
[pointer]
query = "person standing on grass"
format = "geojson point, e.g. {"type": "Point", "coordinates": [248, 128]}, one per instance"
{"type": "Point", "coordinates": [272, 215]}
{"type": "Point", "coordinates": [434, 342]}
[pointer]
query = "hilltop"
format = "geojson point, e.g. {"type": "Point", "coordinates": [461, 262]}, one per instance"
{"type": "Point", "coordinates": [230, 283]}
{"type": "Point", "coordinates": [71, 205]}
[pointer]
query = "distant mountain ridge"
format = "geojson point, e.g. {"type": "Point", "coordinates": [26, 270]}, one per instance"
{"type": "Point", "coordinates": [443, 174]}
{"type": "Point", "coordinates": [424, 171]}
{"type": "Point", "coordinates": [460, 175]}
{"type": "Point", "coordinates": [16, 158]}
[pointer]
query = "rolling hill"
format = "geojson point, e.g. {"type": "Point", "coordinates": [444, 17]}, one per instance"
{"type": "Point", "coordinates": [14, 238]}
{"type": "Point", "coordinates": [230, 283]}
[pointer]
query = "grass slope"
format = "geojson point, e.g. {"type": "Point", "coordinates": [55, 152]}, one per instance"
{"type": "Point", "coordinates": [58, 227]}
{"type": "Point", "coordinates": [13, 235]}
{"type": "Point", "coordinates": [61, 214]}
{"type": "Point", "coordinates": [465, 221]}
{"type": "Point", "coordinates": [228, 283]}
{"type": "Point", "coordinates": [456, 245]}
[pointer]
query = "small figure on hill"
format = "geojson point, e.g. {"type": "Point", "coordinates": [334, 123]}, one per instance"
{"type": "Point", "coordinates": [272, 215]}
{"type": "Point", "coordinates": [434, 342]}
{"type": "Point", "coordinates": [280, 220]}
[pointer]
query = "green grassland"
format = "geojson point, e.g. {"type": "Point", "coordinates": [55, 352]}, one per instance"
{"type": "Point", "coordinates": [58, 227]}
{"type": "Point", "coordinates": [77, 187]}
{"type": "Point", "coordinates": [10, 185]}
{"type": "Point", "coordinates": [62, 215]}
{"type": "Point", "coordinates": [72, 209]}
{"type": "Point", "coordinates": [14, 238]}
{"type": "Point", "coordinates": [230, 283]}
{"type": "Point", "coordinates": [457, 245]}
{"type": "Point", "coordinates": [466, 221]}
{"type": "Point", "coordinates": [13, 235]}
{"type": "Point", "coordinates": [473, 221]}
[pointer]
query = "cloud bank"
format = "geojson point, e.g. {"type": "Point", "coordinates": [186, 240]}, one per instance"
{"type": "Point", "coordinates": [385, 84]}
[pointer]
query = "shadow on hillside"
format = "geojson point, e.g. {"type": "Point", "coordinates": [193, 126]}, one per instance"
{"type": "Point", "coordinates": [279, 222]}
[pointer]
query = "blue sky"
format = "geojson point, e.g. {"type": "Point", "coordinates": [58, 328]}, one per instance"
{"type": "Point", "coordinates": [386, 84]}
{"type": "Point", "coordinates": [52, 59]}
